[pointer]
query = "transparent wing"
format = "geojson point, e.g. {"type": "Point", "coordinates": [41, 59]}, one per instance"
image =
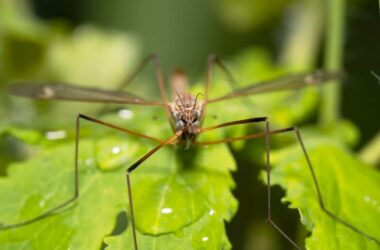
{"type": "Point", "coordinates": [64, 91]}
{"type": "Point", "coordinates": [282, 83]}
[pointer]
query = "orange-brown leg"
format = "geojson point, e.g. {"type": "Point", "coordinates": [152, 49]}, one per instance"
{"type": "Point", "coordinates": [160, 81]}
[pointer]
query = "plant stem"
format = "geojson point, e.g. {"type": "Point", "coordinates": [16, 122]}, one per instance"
{"type": "Point", "coordinates": [330, 110]}
{"type": "Point", "coordinates": [303, 38]}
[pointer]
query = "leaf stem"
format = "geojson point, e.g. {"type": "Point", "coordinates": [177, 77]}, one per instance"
{"type": "Point", "coordinates": [330, 110]}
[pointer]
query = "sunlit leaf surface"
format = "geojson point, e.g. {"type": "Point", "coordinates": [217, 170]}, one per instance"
{"type": "Point", "coordinates": [206, 233]}
{"type": "Point", "coordinates": [350, 190]}
{"type": "Point", "coordinates": [177, 194]}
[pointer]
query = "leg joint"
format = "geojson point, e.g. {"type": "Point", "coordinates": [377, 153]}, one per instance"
{"type": "Point", "coordinates": [259, 119]}
{"type": "Point", "coordinates": [80, 115]}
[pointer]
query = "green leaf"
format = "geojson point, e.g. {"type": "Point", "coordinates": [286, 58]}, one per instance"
{"type": "Point", "coordinates": [177, 193]}
{"type": "Point", "coordinates": [183, 190]}
{"type": "Point", "coordinates": [350, 190]}
{"type": "Point", "coordinates": [206, 233]}
{"type": "Point", "coordinates": [43, 182]}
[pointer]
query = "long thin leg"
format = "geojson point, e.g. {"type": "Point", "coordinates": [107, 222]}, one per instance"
{"type": "Point", "coordinates": [210, 63]}
{"type": "Point", "coordinates": [155, 149]}
{"type": "Point", "coordinates": [76, 169]}
{"type": "Point", "coordinates": [215, 60]}
{"type": "Point", "coordinates": [160, 81]}
{"type": "Point", "coordinates": [315, 181]}
{"type": "Point", "coordinates": [267, 150]}
{"type": "Point", "coordinates": [269, 197]}
{"type": "Point", "coordinates": [265, 134]}
{"type": "Point", "coordinates": [320, 200]}
{"type": "Point", "coordinates": [128, 179]}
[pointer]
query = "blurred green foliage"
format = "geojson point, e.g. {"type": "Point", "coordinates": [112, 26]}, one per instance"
{"type": "Point", "coordinates": [245, 15]}
{"type": "Point", "coordinates": [196, 184]}
{"type": "Point", "coordinates": [35, 50]}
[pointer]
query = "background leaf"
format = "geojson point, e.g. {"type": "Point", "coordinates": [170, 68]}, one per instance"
{"type": "Point", "coordinates": [349, 189]}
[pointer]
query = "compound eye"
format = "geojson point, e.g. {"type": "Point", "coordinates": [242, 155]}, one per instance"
{"type": "Point", "coordinates": [196, 116]}
{"type": "Point", "coordinates": [180, 124]}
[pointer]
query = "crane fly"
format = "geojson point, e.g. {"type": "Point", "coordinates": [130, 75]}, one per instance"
{"type": "Point", "coordinates": [185, 113]}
